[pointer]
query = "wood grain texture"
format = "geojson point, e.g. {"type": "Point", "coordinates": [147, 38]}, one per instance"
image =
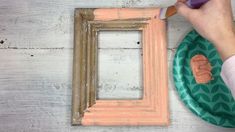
{"type": "Point", "coordinates": [35, 92]}
{"type": "Point", "coordinates": [128, 70]}
{"type": "Point", "coordinates": [39, 96]}
{"type": "Point", "coordinates": [83, 64]}
{"type": "Point", "coordinates": [152, 109]}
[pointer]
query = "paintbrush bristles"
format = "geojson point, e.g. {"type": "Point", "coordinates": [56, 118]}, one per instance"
{"type": "Point", "coordinates": [171, 11]}
{"type": "Point", "coordinates": [167, 12]}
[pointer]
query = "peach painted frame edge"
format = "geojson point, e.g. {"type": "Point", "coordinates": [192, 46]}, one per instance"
{"type": "Point", "coordinates": [153, 108]}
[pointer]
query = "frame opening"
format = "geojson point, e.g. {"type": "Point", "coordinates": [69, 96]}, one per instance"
{"type": "Point", "coordinates": [120, 65]}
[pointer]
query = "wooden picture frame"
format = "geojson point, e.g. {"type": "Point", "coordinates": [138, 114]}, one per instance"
{"type": "Point", "coordinates": [153, 108]}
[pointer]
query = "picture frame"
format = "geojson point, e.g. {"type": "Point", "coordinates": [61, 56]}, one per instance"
{"type": "Point", "coordinates": [152, 109]}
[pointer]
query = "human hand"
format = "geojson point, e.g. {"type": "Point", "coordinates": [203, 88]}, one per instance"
{"type": "Point", "coordinates": [213, 21]}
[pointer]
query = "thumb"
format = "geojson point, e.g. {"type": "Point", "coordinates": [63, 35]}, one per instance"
{"type": "Point", "coordinates": [184, 10]}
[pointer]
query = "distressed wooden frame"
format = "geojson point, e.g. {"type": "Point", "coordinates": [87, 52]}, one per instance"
{"type": "Point", "coordinates": [153, 108]}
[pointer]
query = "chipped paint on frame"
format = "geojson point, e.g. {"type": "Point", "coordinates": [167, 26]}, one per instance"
{"type": "Point", "coordinates": [153, 108]}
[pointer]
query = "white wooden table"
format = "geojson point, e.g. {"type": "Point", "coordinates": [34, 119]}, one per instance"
{"type": "Point", "coordinates": [36, 51]}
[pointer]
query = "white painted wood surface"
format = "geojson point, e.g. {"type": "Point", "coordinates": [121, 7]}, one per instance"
{"type": "Point", "coordinates": [120, 65]}
{"type": "Point", "coordinates": [36, 67]}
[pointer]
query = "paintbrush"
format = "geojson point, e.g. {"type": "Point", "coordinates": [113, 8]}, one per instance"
{"type": "Point", "coordinates": [170, 11]}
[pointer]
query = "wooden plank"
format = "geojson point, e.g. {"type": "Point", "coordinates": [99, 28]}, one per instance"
{"type": "Point", "coordinates": [36, 91]}
{"type": "Point", "coordinates": [120, 75]}
{"type": "Point", "coordinates": [49, 24]}
{"type": "Point", "coordinates": [42, 24]}
{"type": "Point", "coordinates": [36, 95]}
{"type": "Point", "coordinates": [122, 72]}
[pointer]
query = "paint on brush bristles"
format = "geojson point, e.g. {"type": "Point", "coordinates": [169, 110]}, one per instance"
{"type": "Point", "coordinates": [167, 12]}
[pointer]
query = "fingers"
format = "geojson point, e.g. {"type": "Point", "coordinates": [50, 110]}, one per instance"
{"type": "Point", "coordinates": [185, 11]}
{"type": "Point", "coordinates": [182, 9]}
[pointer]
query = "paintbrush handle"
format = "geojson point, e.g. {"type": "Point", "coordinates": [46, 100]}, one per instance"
{"type": "Point", "coordinates": [195, 4]}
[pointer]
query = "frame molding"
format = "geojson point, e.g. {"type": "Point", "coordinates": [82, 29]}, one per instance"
{"type": "Point", "coordinates": [153, 108]}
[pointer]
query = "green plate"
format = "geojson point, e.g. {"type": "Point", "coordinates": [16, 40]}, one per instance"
{"type": "Point", "coordinates": [213, 101]}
